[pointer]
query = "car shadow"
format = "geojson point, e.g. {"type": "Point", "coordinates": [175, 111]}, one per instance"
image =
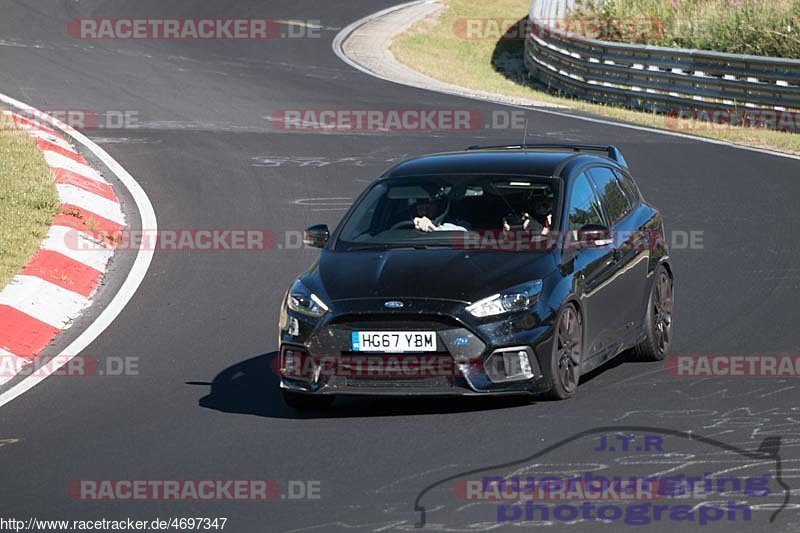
{"type": "Point", "coordinates": [251, 387]}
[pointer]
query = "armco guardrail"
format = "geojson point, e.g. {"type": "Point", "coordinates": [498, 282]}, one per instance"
{"type": "Point", "coordinates": [653, 77]}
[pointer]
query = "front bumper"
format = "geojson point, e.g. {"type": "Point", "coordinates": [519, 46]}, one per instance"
{"type": "Point", "coordinates": [468, 361]}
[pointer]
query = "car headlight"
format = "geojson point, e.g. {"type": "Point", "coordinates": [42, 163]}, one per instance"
{"type": "Point", "coordinates": [516, 298]}
{"type": "Point", "coordinates": [302, 300]}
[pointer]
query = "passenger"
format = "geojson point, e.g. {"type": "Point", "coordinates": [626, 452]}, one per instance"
{"type": "Point", "coordinates": [544, 215]}
{"type": "Point", "coordinates": [540, 222]}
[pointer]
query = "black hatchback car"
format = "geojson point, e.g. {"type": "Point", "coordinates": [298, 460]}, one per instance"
{"type": "Point", "coordinates": [497, 270]}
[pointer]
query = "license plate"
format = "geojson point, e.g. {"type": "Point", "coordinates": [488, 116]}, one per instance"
{"type": "Point", "coordinates": [394, 341]}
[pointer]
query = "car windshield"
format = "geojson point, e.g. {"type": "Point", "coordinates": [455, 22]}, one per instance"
{"type": "Point", "coordinates": [426, 211]}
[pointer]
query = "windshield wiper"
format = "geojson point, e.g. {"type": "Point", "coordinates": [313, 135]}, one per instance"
{"type": "Point", "coordinates": [362, 247]}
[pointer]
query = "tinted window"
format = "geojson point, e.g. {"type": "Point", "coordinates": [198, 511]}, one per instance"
{"type": "Point", "coordinates": [612, 198]}
{"type": "Point", "coordinates": [583, 204]}
{"type": "Point", "coordinates": [427, 210]}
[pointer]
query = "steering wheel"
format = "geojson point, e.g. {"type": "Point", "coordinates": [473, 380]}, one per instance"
{"type": "Point", "coordinates": [403, 223]}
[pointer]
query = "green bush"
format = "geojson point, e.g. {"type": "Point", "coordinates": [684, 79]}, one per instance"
{"type": "Point", "coordinates": [756, 27]}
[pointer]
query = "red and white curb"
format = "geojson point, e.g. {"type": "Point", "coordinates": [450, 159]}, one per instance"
{"type": "Point", "coordinates": [133, 279]}
{"type": "Point", "coordinates": [60, 279]}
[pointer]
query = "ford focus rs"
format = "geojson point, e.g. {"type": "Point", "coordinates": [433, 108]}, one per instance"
{"type": "Point", "coordinates": [493, 271]}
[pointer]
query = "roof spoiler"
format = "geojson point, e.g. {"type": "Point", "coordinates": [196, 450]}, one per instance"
{"type": "Point", "coordinates": [612, 152]}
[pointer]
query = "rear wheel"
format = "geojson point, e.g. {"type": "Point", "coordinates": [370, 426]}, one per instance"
{"type": "Point", "coordinates": [300, 401]}
{"type": "Point", "coordinates": [657, 320]}
{"type": "Point", "coordinates": [564, 366]}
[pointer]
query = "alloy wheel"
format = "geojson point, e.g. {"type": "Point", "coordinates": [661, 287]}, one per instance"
{"type": "Point", "coordinates": [662, 312]}
{"type": "Point", "coordinates": [569, 348]}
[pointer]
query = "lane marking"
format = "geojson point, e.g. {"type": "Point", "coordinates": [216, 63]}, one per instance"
{"type": "Point", "coordinates": [304, 24]}
{"type": "Point", "coordinates": [338, 49]}
{"type": "Point", "coordinates": [136, 275]}
{"type": "Point", "coordinates": [337, 201]}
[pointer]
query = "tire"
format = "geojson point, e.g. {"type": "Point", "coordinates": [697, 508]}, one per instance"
{"type": "Point", "coordinates": [563, 367]}
{"type": "Point", "coordinates": [305, 402]}
{"type": "Point", "coordinates": [657, 320]}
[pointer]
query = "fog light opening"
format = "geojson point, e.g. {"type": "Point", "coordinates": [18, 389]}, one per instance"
{"type": "Point", "coordinates": [299, 365]}
{"type": "Point", "coordinates": [509, 364]}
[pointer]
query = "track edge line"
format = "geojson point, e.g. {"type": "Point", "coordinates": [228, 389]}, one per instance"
{"type": "Point", "coordinates": [135, 275]}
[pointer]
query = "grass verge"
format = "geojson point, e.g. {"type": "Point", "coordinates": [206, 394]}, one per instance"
{"type": "Point", "coordinates": [756, 27]}
{"type": "Point", "coordinates": [435, 48]}
{"type": "Point", "coordinates": [28, 199]}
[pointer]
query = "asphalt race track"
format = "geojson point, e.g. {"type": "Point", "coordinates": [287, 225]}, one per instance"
{"type": "Point", "coordinates": [205, 404]}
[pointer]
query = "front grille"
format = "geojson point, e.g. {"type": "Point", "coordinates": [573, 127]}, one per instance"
{"type": "Point", "coordinates": [396, 366]}
{"type": "Point", "coordinates": [395, 321]}
{"type": "Point", "coordinates": [404, 383]}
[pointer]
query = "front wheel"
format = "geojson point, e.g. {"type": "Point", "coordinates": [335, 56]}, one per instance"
{"type": "Point", "coordinates": [657, 320]}
{"type": "Point", "coordinates": [303, 402]}
{"type": "Point", "coordinates": [564, 364]}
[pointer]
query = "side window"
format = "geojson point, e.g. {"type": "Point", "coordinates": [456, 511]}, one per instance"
{"type": "Point", "coordinates": [364, 218]}
{"type": "Point", "coordinates": [584, 207]}
{"type": "Point", "coordinates": [612, 198]}
{"type": "Point", "coordinates": [629, 188]}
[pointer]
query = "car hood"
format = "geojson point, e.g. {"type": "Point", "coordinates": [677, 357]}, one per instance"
{"type": "Point", "coordinates": [448, 274]}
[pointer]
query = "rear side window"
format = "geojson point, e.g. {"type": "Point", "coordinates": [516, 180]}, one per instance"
{"type": "Point", "coordinates": [613, 199]}
{"type": "Point", "coordinates": [629, 187]}
{"type": "Point", "coordinates": [584, 206]}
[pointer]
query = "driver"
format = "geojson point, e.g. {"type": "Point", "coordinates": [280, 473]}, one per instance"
{"type": "Point", "coordinates": [427, 212]}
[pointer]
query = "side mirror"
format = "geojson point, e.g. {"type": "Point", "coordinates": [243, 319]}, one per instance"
{"type": "Point", "coordinates": [594, 235]}
{"type": "Point", "coordinates": [316, 236]}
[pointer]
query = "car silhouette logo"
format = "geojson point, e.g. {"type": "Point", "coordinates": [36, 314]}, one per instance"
{"type": "Point", "coordinates": [393, 304]}
{"type": "Point", "coordinates": [758, 454]}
